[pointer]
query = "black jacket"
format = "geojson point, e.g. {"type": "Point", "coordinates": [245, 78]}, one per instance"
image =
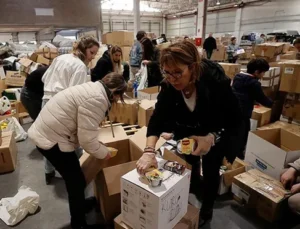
{"type": "Point", "coordinates": [34, 82]}
{"type": "Point", "coordinates": [216, 110]}
{"type": "Point", "coordinates": [210, 43]}
{"type": "Point", "coordinates": [102, 68]}
{"type": "Point", "coordinates": [248, 91]}
{"type": "Point", "coordinates": [154, 73]}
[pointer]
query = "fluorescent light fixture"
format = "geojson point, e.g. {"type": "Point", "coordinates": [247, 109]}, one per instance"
{"type": "Point", "coordinates": [218, 3]}
{"type": "Point", "coordinates": [236, 5]}
{"type": "Point", "coordinates": [174, 16]}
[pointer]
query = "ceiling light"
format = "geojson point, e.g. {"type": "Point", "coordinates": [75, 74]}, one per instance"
{"type": "Point", "coordinates": [174, 16]}
{"type": "Point", "coordinates": [218, 3]}
{"type": "Point", "coordinates": [236, 5]}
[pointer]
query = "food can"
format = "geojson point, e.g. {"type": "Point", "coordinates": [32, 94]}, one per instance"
{"type": "Point", "coordinates": [154, 178]}
{"type": "Point", "coordinates": [186, 146]}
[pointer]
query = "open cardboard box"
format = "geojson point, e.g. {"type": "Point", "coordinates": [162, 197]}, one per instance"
{"type": "Point", "coordinates": [124, 112]}
{"type": "Point", "coordinates": [146, 108]}
{"type": "Point", "coordinates": [108, 173]}
{"type": "Point", "coordinates": [149, 93]}
{"type": "Point", "coordinates": [267, 150]}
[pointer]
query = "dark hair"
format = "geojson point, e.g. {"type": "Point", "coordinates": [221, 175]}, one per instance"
{"type": "Point", "coordinates": [259, 64]}
{"type": "Point", "coordinates": [262, 35]}
{"type": "Point", "coordinates": [148, 49]}
{"type": "Point", "coordinates": [297, 41]}
{"type": "Point", "coordinates": [140, 35]}
{"type": "Point", "coordinates": [115, 81]}
{"type": "Point", "coordinates": [232, 39]}
{"type": "Point", "coordinates": [183, 52]}
{"type": "Point", "coordinates": [80, 46]}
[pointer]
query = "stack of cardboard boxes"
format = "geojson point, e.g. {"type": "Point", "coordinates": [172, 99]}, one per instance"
{"type": "Point", "coordinates": [122, 38]}
{"type": "Point", "coordinates": [231, 69]}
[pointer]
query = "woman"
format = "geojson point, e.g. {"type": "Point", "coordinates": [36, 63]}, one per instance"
{"type": "Point", "coordinates": [231, 51]}
{"type": "Point", "coordinates": [111, 61]}
{"type": "Point", "coordinates": [151, 60]}
{"type": "Point", "coordinates": [195, 101]}
{"type": "Point", "coordinates": [33, 91]}
{"type": "Point", "coordinates": [71, 118]}
{"type": "Point", "coordinates": [68, 70]}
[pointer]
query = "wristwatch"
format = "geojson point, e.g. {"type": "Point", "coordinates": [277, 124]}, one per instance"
{"type": "Point", "coordinates": [217, 136]}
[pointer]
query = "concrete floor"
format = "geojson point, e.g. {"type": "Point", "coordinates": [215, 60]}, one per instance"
{"type": "Point", "coordinates": [54, 213]}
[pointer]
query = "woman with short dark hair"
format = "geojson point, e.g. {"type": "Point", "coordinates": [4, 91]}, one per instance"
{"type": "Point", "coordinates": [71, 118]}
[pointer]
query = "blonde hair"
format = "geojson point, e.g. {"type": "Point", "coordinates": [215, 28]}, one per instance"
{"type": "Point", "coordinates": [184, 52]}
{"type": "Point", "coordinates": [112, 51]}
{"type": "Point", "coordinates": [80, 46]}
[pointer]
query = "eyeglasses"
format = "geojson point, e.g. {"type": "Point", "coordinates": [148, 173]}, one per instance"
{"type": "Point", "coordinates": [175, 76]}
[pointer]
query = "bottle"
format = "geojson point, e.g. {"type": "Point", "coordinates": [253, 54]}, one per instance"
{"type": "Point", "coordinates": [135, 86]}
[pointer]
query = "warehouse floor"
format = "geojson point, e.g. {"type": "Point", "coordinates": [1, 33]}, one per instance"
{"type": "Point", "coordinates": [54, 214]}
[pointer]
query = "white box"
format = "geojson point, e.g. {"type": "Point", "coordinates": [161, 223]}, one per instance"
{"type": "Point", "coordinates": [267, 150]}
{"type": "Point", "coordinates": [148, 207]}
{"type": "Point", "coordinates": [276, 71]}
{"type": "Point", "coordinates": [150, 93]}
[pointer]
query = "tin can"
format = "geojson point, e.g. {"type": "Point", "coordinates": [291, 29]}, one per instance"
{"type": "Point", "coordinates": [186, 146]}
{"type": "Point", "coordinates": [154, 177]}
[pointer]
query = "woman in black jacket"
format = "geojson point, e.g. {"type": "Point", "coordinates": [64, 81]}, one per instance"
{"type": "Point", "coordinates": [196, 101]}
{"type": "Point", "coordinates": [111, 61]}
{"type": "Point", "coordinates": [151, 59]}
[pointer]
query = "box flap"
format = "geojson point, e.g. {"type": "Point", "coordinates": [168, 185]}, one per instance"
{"type": "Point", "coordinates": [146, 104]}
{"type": "Point", "coordinates": [270, 135]}
{"type": "Point", "coordinates": [140, 139]}
{"type": "Point", "coordinates": [237, 168]}
{"type": "Point", "coordinates": [261, 109]}
{"type": "Point", "coordinates": [129, 101]}
{"type": "Point", "coordinates": [25, 62]}
{"type": "Point", "coordinates": [150, 90]}
{"type": "Point", "coordinates": [170, 156]}
{"type": "Point", "coordinates": [106, 136]}
{"type": "Point", "coordinates": [290, 140]}
{"type": "Point", "coordinates": [113, 176]}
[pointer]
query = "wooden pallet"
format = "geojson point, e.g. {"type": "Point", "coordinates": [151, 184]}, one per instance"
{"type": "Point", "coordinates": [129, 129]}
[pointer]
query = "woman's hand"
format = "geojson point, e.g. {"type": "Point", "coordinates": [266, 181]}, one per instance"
{"type": "Point", "coordinates": [146, 62]}
{"type": "Point", "coordinates": [288, 178]}
{"type": "Point", "coordinates": [203, 144]}
{"type": "Point", "coordinates": [295, 188]}
{"type": "Point", "coordinates": [145, 162]}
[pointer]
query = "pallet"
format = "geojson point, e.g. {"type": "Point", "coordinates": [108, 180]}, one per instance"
{"type": "Point", "coordinates": [129, 129]}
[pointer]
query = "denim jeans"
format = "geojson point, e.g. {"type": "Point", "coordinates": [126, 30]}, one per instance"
{"type": "Point", "coordinates": [49, 168]}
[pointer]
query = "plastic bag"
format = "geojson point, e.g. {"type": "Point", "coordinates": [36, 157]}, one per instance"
{"type": "Point", "coordinates": [12, 124]}
{"type": "Point", "coordinates": [4, 105]}
{"type": "Point", "coordinates": [142, 78]}
{"type": "Point", "coordinates": [14, 209]}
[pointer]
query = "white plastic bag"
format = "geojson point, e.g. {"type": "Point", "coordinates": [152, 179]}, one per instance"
{"type": "Point", "coordinates": [12, 124]}
{"type": "Point", "coordinates": [4, 105]}
{"type": "Point", "coordinates": [142, 77]}
{"type": "Point", "coordinates": [14, 209]}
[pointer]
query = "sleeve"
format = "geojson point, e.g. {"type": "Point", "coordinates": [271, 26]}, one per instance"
{"type": "Point", "coordinates": [229, 50]}
{"type": "Point", "coordinates": [79, 77]}
{"type": "Point", "coordinates": [90, 114]}
{"type": "Point", "coordinates": [140, 54]}
{"type": "Point", "coordinates": [260, 97]}
{"type": "Point", "coordinates": [295, 165]}
{"type": "Point", "coordinates": [161, 115]}
{"type": "Point", "coordinates": [215, 44]}
{"type": "Point", "coordinates": [205, 44]}
{"type": "Point", "coordinates": [99, 71]}
{"type": "Point", "coordinates": [155, 61]}
{"type": "Point", "coordinates": [233, 124]}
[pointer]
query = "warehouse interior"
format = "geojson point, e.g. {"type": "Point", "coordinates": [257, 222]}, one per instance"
{"type": "Point", "coordinates": [252, 193]}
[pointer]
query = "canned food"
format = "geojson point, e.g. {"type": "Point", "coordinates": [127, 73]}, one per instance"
{"type": "Point", "coordinates": [154, 177]}
{"type": "Point", "coordinates": [113, 151]}
{"type": "Point", "coordinates": [186, 146]}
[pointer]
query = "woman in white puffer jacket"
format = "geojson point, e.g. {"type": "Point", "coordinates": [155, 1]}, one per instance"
{"type": "Point", "coordinates": [72, 118]}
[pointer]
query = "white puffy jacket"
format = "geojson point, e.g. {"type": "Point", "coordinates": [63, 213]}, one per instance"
{"type": "Point", "coordinates": [71, 118]}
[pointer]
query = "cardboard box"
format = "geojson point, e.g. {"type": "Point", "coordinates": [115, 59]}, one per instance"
{"type": "Point", "coordinates": [293, 48]}
{"type": "Point", "coordinates": [295, 129]}
{"type": "Point", "coordinates": [146, 108]}
{"type": "Point", "coordinates": [290, 55]}
{"type": "Point", "coordinates": [24, 118]}
{"type": "Point", "coordinates": [106, 181]}
{"type": "Point", "coordinates": [43, 60]}
{"type": "Point", "coordinates": [291, 107]}
{"type": "Point", "coordinates": [149, 93]}
{"type": "Point", "coordinates": [219, 53]}
{"type": "Point", "coordinates": [8, 153]}
{"type": "Point", "coordinates": [14, 78]}
{"type": "Point", "coordinates": [267, 150]}
{"type": "Point", "coordinates": [154, 207]}
{"type": "Point", "coordinates": [49, 53]}
{"type": "Point", "coordinates": [262, 115]}
{"type": "Point", "coordinates": [226, 179]}
{"type": "Point", "coordinates": [124, 113]}
{"type": "Point", "coordinates": [3, 86]}
{"type": "Point", "coordinates": [290, 78]}
{"type": "Point", "coordinates": [268, 49]}
{"type": "Point", "coordinates": [120, 38]}
{"type": "Point", "coordinates": [189, 221]}
{"type": "Point", "coordinates": [137, 143]}
{"type": "Point", "coordinates": [231, 69]}
{"type": "Point", "coordinates": [260, 192]}
{"type": "Point", "coordinates": [271, 77]}
{"type": "Point", "coordinates": [28, 66]}
{"type": "Point", "coordinates": [286, 47]}
{"type": "Point", "coordinates": [126, 53]}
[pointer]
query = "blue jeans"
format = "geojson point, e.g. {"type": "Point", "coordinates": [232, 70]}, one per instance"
{"type": "Point", "coordinates": [49, 168]}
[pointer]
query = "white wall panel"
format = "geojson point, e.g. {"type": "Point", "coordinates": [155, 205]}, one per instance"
{"type": "Point", "coordinates": [26, 36]}
{"type": "Point", "coordinates": [220, 22]}
{"type": "Point", "coordinates": [182, 26]}
{"type": "Point", "coordinates": [5, 37]}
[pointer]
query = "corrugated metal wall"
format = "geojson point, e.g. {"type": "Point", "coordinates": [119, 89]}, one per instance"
{"type": "Point", "coordinates": [182, 26]}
